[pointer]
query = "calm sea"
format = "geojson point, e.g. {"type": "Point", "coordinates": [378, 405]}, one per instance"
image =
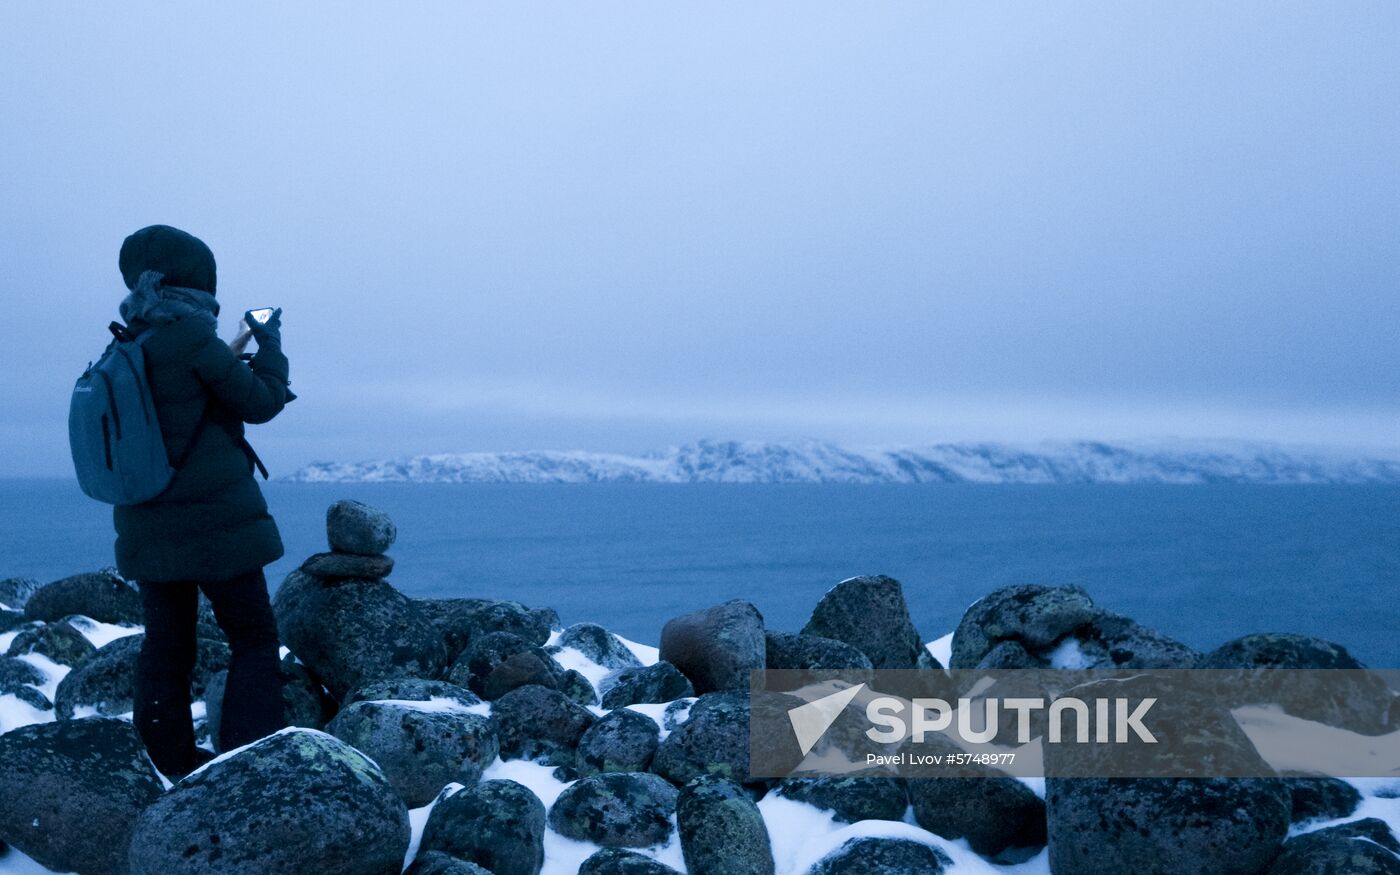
{"type": "Point", "coordinates": [1202, 563]}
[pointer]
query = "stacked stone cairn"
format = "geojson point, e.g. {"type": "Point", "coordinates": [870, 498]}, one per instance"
{"type": "Point", "coordinates": [399, 703]}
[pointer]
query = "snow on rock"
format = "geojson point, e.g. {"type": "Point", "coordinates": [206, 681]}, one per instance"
{"type": "Point", "coordinates": [100, 633]}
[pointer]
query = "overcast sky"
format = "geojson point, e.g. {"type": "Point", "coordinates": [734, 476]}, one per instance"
{"type": "Point", "coordinates": [619, 226]}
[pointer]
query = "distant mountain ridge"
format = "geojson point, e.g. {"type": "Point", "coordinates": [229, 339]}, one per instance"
{"type": "Point", "coordinates": [820, 462]}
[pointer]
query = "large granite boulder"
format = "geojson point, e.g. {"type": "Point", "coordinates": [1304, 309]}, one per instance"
{"type": "Point", "coordinates": [102, 595]}
{"type": "Point", "coordinates": [461, 620]}
{"type": "Point", "coordinates": [717, 647]}
{"type": "Point", "coordinates": [420, 746]}
{"type": "Point", "coordinates": [714, 740]}
{"type": "Point", "coordinates": [296, 801]}
{"type": "Point", "coordinates": [618, 861]}
{"type": "Point", "coordinates": [621, 741]}
{"type": "Point", "coordinates": [652, 684]}
{"type": "Point", "coordinates": [498, 662]}
{"type": "Point", "coordinates": [884, 856]}
{"type": "Point", "coordinates": [71, 792]}
{"type": "Point", "coordinates": [1035, 617]}
{"type": "Point", "coordinates": [851, 799]}
{"type": "Point", "coordinates": [812, 652]}
{"type": "Point", "coordinates": [438, 863]}
{"type": "Point", "coordinates": [537, 723]}
{"type": "Point", "coordinates": [721, 829]}
{"type": "Point", "coordinates": [1320, 798]}
{"type": "Point", "coordinates": [870, 614]}
{"type": "Point", "coordinates": [355, 527]}
{"type": "Point", "coordinates": [1361, 847]}
{"type": "Point", "coordinates": [22, 680]}
{"type": "Point", "coordinates": [356, 631]}
{"type": "Point", "coordinates": [996, 814]}
{"type": "Point", "coordinates": [499, 825]}
{"type": "Point", "coordinates": [616, 810]}
{"type": "Point", "coordinates": [57, 641]}
{"type": "Point", "coordinates": [598, 645]}
{"type": "Point", "coordinates": [105, 682]}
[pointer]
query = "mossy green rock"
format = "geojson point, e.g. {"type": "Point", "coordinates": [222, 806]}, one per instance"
{"type": "Point", "coordinates": [71, 792]}
{"type": "Point", "coordinates": [294, 802]}
{"type": "Point", "coordinates": [58, 641]}
{"type": "Point", "coordinates": [621, 741]}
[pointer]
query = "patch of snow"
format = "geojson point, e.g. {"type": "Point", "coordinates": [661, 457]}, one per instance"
{"type": "Point", "coordinates": [573, 658]}
{"type": "Point", "coordinates": [15, 862]}
{"type": "Point", "coordinates": [647, 654]}
{"type": "Point", "coordinates": [657, 712]}
{"type": "Point", "coordinates": [52, 671]}
{"type": "Point", "coordinates": [15, 712]}
{"type": "Point", "coordinates": [436, 705]}
{"type": "Point", "coordinates": [1068, 654]}
{"type": "Point", "coordinates": [8, 638]}
{"type": "Point", "coordinates": [538, 778]}
{"type": "Point", "coordinates": [941, 649]}
{"type": "Point", "coordinates": [100, 633]}
{"type": "Point", "coordinates": [283, 651]}
{"type": "Point", "coordinates": [418, 819]}
{"type": "Point", "coordinates": [229, 754]}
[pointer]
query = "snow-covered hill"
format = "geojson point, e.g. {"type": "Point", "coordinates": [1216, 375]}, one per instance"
{"type": "Point", "coordinates": [819, 462]}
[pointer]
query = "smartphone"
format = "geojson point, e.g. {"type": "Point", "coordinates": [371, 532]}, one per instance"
{"type": "Point", "coordinates": [262, 314]}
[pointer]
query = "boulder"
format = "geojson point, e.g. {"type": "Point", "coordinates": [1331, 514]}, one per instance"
{"type": "Point", "coordinates": [58, 641]}
{"type": "Point", "coordinates": [1354, 699]}
{"type": "Point", "coordinates": [462, 620]}
{"type": "Point", "coordinates": [348, 565]}
{"type": "Point", "coordinates": [652, 684]}
{"type": "Point", "coordinates": [870, 614]}
{"type": "Point", "coordinates": [355, 632]}
{"type": "Point", "coordinates": [714, 740]}
{"type": "Point", "coordinates": [716, 647]}
{"type": "Point", "coordinates": [413, 690]}
{"type": "Point", "coordinates": [850, 799]}
{"type": "Point", "coordinates": [498, 662]}
{"type": "Point", "coordinates": [499, 825]}
{"type": "Point", "coordinates": [617, 861]}
{"type": "Point", "coordinates": [616, 810]}
{"type": "Point", "coordinates": [721, 829]}
{"type": "Point", "coordinates": [598, 645]}
{"type": "Point", "coordinates": [1113, 641]}
{"type": "Point", "coordinates": [15, 591]}
{"type": "Point", "coordinates": [1036, 617]}
{"type": "Point", "coordinates": [354, 527]}
{"type": "Point", "coordinates": [106, 681]}
{"type": "Point", "coordinates": [812, 652]}
{"type": "Point", "coordinates": [20, 679]}
{"type": "Point", "coordinates": [1000, 817]}
{"type": "Point", "coordinates": [305, 702]}
{"type": "Point", "coordinates": [421, 747]}
{"type": "Point", "coordinates": [537, 723]}
{"type": "Point", "coordinates": [70, 792]}
{"type": "Point", "coordinates": [438, 863]}
{"type": "Point", "coordinates": [1321, 798]}
{"type": "Point", "coordinates": [1361, 847]}
{"type": "Point", "coordinates": [621, 741]}
{"type": "Point", "coordinates": [574, 685]}
{"type": "Point", "coordinates": [883, 856]}
{"type": "Point", "coordinates": [295, 801]}
{"type": "Point", "coordinates": [102, 595]}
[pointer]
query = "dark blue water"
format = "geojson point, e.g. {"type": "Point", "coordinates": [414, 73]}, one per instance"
{"type": "Point", "coordinates": [1202, 563]}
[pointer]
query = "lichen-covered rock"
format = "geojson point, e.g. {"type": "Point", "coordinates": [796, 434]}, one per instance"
{"type": "Point", "coordinates": [573, 684]}
{"type": "Point", "coordinates": [721, 829]}
{"type": "Point", "coordinates": [70, 792]}
{"type": "Point", "coordinates": [354, 527]}
{"type": "Point", "coordinates": [58, 641]}
{"type": "Point", "coordinates": [714, 740]}
{"type": "Point", "coordinates": [355, 632]}
{"type": "Point", "coordinates": [537, 723]}
{"type": "Point", "coordinates": [652, 684]}
{"type": "Point", "coordinates": [15, 591]}
{"type": "Point", "coordinates": [102, 595]}
{"type": "Point", "coordinates": [599, 645]}
{"type": "Point", "coordinates": [19, 679]}
{"type": "Point", "coordinates": [438, 863]}
{"type": "Point", "coordinates": [996, 814]}
{"type": "Point", "coordinates": [788, 651]}
{"type": "Point", "coordinates": [1361, 847]}
{"type": "Point", "coordinates": [499, 825]}
{"type": "Point", "coordinates": [295, 801]}
{"type": "Point", "coordinates": [498, 662]}
{"type": "Point", "coordinates": [616, 810]}
{"type": "Point", "coordinates": [1036, 617]}
{"type": "Point", "coordinates": [850, 799]}
{"type": "Point", "coordinates": [883, 856]}
{"type": "Point", "coordinates": [621, 741]}
{"type": "Point", "coordinates": [1321, 798]}
{"type": "Point", "coordinates": [348, 565]}
{"type": "Point", "coordinates": [461, 620]}
{"type": "Point", "coordinates": [617, 861]}
{"type": "Point", "coordinates": [1113, 641]}
{"type": "Point", "coordinates": [870, 614]}
{"type": "Point", "coordinates": [717, 647]}
{"type": "Point", "coordinates": [421, 747]}
{"type": "Point", "coordinates": [413, 690]}
{"type": "Point", "coordinates": [105, 683]}
{"type": "Point", "coordinates": [1356, 700]}
{"type": "Point", "coordinates": [305, 703]}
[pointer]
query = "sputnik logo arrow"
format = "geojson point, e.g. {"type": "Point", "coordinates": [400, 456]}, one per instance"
{"type": "Point", "coordinates": [811, 721]}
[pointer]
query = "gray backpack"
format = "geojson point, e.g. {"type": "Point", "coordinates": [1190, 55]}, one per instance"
{"type": "Point", "coordinates": [118, 451]}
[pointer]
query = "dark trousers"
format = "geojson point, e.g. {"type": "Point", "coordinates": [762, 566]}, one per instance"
{"type": "Point", "coordinates": [252, 703]}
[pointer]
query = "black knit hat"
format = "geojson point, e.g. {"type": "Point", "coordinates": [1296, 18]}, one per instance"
{"type": "Point", "coordinates": [183, 258]}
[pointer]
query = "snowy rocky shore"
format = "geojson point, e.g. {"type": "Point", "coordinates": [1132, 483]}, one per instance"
{"type": "Point", "coordinates": [477, 735]}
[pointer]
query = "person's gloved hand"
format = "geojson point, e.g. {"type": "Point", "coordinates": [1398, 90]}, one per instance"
{"type": "Point", "coordinates": [269, 333]}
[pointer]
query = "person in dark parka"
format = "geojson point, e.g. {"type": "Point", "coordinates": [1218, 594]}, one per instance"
{"type": "Point", "coordinates": [210, 529]}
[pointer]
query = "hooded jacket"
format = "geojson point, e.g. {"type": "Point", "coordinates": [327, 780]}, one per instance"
{"type": "Point", "coordinates": [212, 522]}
